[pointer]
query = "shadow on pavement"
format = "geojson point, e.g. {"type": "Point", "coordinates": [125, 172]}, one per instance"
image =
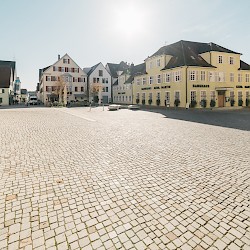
{"type": "Point", "coordinates": [236, 119]}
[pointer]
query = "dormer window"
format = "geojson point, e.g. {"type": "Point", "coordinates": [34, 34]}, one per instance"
{"type": "Point", "coordinates": [220, 59]}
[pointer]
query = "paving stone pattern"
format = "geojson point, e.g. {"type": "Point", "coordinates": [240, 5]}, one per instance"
{"type": "Point", "coordinates": [80, 179]}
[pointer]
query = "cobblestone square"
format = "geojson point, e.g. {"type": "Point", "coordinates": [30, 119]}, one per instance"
{"type": "Point", "coordinates": [81, 179]}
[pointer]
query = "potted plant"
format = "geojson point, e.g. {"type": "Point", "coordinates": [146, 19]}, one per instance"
{"type": "Point", "coordinates": [204, 103]}
{"type": "Point", "coordinates": [240, 102]}
{"type": "Point", "coordinates": [158, 101]}
{"type": "Point", "coordinates": [149, 101]}
{"type": "Point", "coordinates": [212, 103]}
{"type": "Point", "coordinates": [137, 100]}
{"type": "Point", "coordinates": [176, 102]}
{"type": "Point", "coordinates": [143, 102]}
{"type": "Point", "coordinates": [232, 101]}
{"type": "Point", "coordinates": [193, 103]}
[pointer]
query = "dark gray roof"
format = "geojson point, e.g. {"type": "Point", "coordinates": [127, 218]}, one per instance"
{"type": "Point", "coordinates": [88, 71]}
{"type": "Point", "coordinates": [244, 66]}
{"type": "Point", "coordinates": [11, 64]}
{"type": "Point", "coordinates": [5, 73]}
{"type": "Point", "coordinates": [135, 70]}
{"type": "Point", "coordinates": [114, 68]}
{"type": "Point", "coordinates": [41, 72]}
{"type": "Point", "coordinates": [116, 82]}
{"type": "Point", "coordinates": [187, 53]}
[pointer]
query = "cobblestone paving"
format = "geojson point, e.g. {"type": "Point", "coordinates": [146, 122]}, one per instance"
{"type": "Point", "coordinates": [74, 179]}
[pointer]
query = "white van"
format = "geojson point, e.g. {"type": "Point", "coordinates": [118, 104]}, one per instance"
{"type": "Point", "coordinates": [32, 100]}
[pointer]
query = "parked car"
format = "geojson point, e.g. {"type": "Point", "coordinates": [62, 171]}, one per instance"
{"type": "Point", "coordinates": [133, 107]}
{"type": "Point", "coordinates": [113, 107]}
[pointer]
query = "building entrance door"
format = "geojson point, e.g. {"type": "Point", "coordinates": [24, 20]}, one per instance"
{"type": "Point", "coordinates": [221, 98]}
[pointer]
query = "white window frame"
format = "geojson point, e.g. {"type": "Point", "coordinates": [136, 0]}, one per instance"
{"type": "Point", "coordinates": [158, 79]}
{"type": "Point", "coordinates": [151, 80]}
{"type": "Point", "coordinates": [167, 96]}
{"type": "Point", "coordinates": [239, 77]}
{"type": "Point", "coordinates": [168, 77]}
{"type": "Point", "coordinates": [203, 95]}
{"type": "Point", "coordinates": [231, 77]}
{"type": "Point", "coordinates": [212, 95]}
{"type": "Point", "coordinates": [193, 97]}
{"type": "Point", "coordinates": [179, 94]}
{"type": "Point", "coordinates": [158, 62]}
{"type": "Point", "coordinates": [203, 75]}
{"type": "Point", "coordinates": [220, 59]}
{"type": "Point", "coordinates": [144, 81]}
{"type": "Point", "coordinates": [231, 60]}
{"type": "Point", "coordinates": [247, 78]}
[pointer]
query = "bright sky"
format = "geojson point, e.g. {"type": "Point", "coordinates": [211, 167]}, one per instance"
{"type": "Point", "coordinates": [34, 32]}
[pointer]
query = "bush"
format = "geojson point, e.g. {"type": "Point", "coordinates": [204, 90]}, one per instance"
{"type": "Point", "coordinates": [137, 100]}
{"type": "Point", "coordinates": [176, 102]}
{"type": "Point", "coordinates": [204, 103]}
{"type": "Point", "coordinates": [240, 102]}
{"type": "Point", "coordinates": [143, 101]}
{"type": "Point", "coordinates": [149, 101]}
{"type": "Point", "coordinates": [232, 101]}
{"type": "Point", "coordinates": [193, 103]}
{"type": "Point", "coordinates": [212, 103]}
{"type": "Point", "coordinates": [158, 101]}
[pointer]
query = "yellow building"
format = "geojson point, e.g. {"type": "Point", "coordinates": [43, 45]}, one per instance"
{"type": "Point", "coordinates": [193, 74]}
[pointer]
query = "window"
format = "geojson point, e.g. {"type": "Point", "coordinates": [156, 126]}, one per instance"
{"type": "Point", "coordinates": [177, 95]}
{"type": "Point", "coordinates": [203, 95]}
{"type": "Point", "coordinates": [47, 78]}
{"type": "Point", "coordinates": [82, 89]}
{"type": "Point", "coordinates": [53, 78]}
{"type": "Point", "coordinates": [143, 96]}
{"type": "Point", "coordinates": [168, 77]}
{"type": "Point", "coordinates": [177, 76]}
{"type": "Point", "coordinates": [100, 72]}
{"type": "Point", "coordinates": [211, 76]}
{"type": "Point", "coordinates": [203, 76]}
{"type": "Point", "coordinates": [231, 60]}
{"type": "Point", "coordinates": [3, 90]}
{"type": "Point", "coordinates": [48, 89]}
{"type": "Point", "coordinates": [66, 69]}
{"type": "Point", "coordinates": [239, 95]}
{"type": "Point", "coordinates": [220, 59]}
{"type": "Point", "coordinates": [158, 62]}
{"type": "Point", "coordinates": [138, 81]}
{"type": "Point", "coordinates": [231, 95]}
{"type": "Point", "coordinates": [158, 96]}
{"type": "Point", "coordinates": [247, 77]}
{"type": "Point", "coordinates": [107, 89]}
{"type": "Point", "coordinates": [1, 100]}
{"type": "Point", "coordinates": [66, 61]}
{"type": "Point", "coordinates": [193, 95]}
{"type": "Point", "coordinates": [54, 68]}
{"type": "Point", "coordinates": [239, 77]}
{"type": "Point", "coordinates": [94, 80]}
{"type": "Point", "coordinates": [151, 65]}
{"type": "Point", "coordinates": [150, 79]}
{"type": "Point", "coordinates": [192, 75]}
{"type": "Point", "coordinates": [150, 96]}
{"type": "Point", "coordinates": [221, 77]}
{"type": "Point", "coordinates": [212, 95]}
{"type": "Point", "coordinates": [159, 79]}
{"type": "Point", "coordinates": [129, 98]}
{"type": "Point", "coordinates": [231, 77]}
{"type": "Point", "coordinates": [247, 94]}
{"type": "Point", "coordinates": [167, 97]}
{"type": "Point", "coordinates": [143, 80]}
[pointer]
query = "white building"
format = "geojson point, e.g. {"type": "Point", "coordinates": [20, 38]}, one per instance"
{"type": "Point", "coordinates": [62, 82]}
{"type": "Point", "coordinates": [99, 84]}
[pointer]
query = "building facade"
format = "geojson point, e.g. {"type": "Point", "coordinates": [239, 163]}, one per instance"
{"type": "Point", "coordinates": [7, 78]}
{"type": "Point", "coordinates": [123, 87]}
{"type": "Point", "coordinates": [62, 82]}
{"type": "Point", "coordinates": [99, 84]}
{"type": "Point", "coordinates": [192, 74]}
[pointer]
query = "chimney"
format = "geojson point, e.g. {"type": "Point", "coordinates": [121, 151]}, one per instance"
{"type": "Point", "coordinates": [59, 57]}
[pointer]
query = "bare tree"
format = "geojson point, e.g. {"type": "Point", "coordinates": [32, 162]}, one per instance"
{"type": "Point", "coordinates": [60, 88]}
{"type": "Point", "coordinates": [96, 91]}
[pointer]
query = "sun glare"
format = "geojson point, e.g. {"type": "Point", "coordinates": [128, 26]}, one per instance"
{"type": "Point", "coordinates": [130, 21]}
